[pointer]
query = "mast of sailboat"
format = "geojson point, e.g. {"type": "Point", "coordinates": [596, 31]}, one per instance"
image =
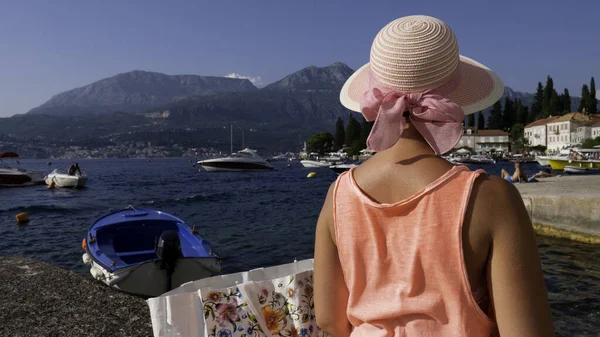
{"type": "Point", "coordinates": [231, 139]}
{"type": "Point", "coordinates": [243, 140]}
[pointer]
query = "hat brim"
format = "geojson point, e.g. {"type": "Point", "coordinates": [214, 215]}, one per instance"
{"type": "Point", "coordinates": [479, 87]}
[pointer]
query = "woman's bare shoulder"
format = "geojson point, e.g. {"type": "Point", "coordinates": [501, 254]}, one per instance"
{"type": "Point", "coordinates": [494, 201]}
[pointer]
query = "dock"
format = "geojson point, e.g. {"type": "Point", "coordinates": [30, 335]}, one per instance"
{"type": "Point", "coordinates": [40, 299]}
{"type": "Point", "coordinates": [565, 207]}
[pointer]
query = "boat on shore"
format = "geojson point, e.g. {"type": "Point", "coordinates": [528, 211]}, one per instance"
{"type": "Point", "coordinates": [65, 180]}
{"type": "Point", "coordinates": [578, 158]}
{"type": "Point", "coordinates": [244, 160]}
{"type": "Point", "coordinates": [14, 176]}
{"type": "Point", "coordinates": [146, 252]}
{"type": "Point", "coordinates": [543, 160]}
{"type": "Point", "coordinates": [581, 170]}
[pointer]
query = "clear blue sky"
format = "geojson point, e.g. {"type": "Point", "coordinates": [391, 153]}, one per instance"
{"type": "Point", "coordinates": [47, 47]}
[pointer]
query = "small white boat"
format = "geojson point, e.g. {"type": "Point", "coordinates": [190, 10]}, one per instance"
{"type": "Point", "coordinates": [315, 163]}
{"type": "Point", "coordinates": [342, 168]}
{"type": "Point", "coordinates": [581, 170]}
{"type": "Point", "coordinates": [65, 180]}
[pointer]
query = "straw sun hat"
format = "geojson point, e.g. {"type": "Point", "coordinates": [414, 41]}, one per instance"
{"type": "Point", "coordinates": [415, 66]}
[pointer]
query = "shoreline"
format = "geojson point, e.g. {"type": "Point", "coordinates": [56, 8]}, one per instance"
{"type": "Point", "coordinates": [566, 207]}
{"type": "Point", "coordinates": [40, 299]}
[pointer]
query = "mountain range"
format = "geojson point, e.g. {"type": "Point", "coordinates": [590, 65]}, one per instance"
{"type": "Point", "coordinates": [137, 103]}
{"type": "Point", "coordinates": [137, 91]}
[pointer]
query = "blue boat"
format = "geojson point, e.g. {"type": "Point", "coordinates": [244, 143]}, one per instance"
{"type": "Point", "coordinates": [147, 252]}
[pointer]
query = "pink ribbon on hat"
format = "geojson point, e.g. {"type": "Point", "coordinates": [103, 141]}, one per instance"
{"type": "Point", "coordinates": [437, 118]}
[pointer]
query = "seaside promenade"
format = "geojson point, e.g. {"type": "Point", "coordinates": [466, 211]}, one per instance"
{"type": "Point", "coordinates": [565, 207]}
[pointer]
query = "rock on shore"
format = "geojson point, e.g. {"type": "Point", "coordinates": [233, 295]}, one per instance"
{"type": "Point", "coordinates": [39, 299]}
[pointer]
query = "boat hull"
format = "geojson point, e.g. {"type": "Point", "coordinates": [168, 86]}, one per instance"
{"type": "Point", "coordinates": [314, 164]}
{"type": "Point", "coordinates": [233, 166]}
{"type": "Point", "coordinates": [18, 178]}
{"type": "Point", "coordinates": [146, 279]}
{"type": "Point", "coordinates": [339, 169]}
{"type": "Point", "coordinates": [560, 165]}
{"type": "Point", "coordinates": [65, 180]}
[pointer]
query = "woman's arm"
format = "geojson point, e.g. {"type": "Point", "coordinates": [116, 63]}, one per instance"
{"type": "Point", "coordinates": [331, 293]}
{"type": "Point", "coordinates": [514, 270]}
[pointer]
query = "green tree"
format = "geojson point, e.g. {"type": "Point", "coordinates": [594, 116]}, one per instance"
{"type": "Point", "coordinates": [495, 119]}
{"type": "Point", "coordinates": [365, 131]}
{"type": "Point", "coordinates": [517, 137]}
{"type": "Point", "coordinates": [352, 131]}
{"type": "Point", "coordinates": [526, 117]}
{"type": "Point", "coordinates": [508, 115]}
{"type": "Point", "coordinates": [585, 98]}
{"type": "Point", "coordinates": [593, 103]}
{"type": "Point", "coordinates": [340, 134]}
{"type": "Point", "coordinates": [320, 143]}
{"type": "Point", "coordinates": [520, 112]}
{"type": "Point", "coordinates": [536, 106]}
{"type": "Point", "coordinates": [547, 103]}
{"type": "Point", "coordinates": [590, 143]}
{"type": "Point", "coordinates": [471, 120]}
{"type": "Point", "coordinates": [566, 104]}
{"type": "Point", "coordinates": [480, 121]}
{"type": "Point", "coordinates": [553, 105]}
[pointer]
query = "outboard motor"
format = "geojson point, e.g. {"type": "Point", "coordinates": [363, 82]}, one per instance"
{"type": "Point", "coordinates": [168, 251]}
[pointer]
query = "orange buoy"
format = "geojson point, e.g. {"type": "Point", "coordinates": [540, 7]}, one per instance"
{"type": "Point", "coordinates": [52, 185]}
{"type": "Point", "coordinates": [84, 244]}
{"type": "Point", "coordinates": [22, 218]}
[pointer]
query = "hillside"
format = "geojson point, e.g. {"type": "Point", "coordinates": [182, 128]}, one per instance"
{"type": "Point", "coordinates": [137, 91]}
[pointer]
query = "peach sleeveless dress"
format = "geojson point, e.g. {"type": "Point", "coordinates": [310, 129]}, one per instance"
{"type": "Point", "coordinates": [403, 263]}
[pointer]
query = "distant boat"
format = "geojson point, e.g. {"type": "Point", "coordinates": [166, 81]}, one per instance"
{"type": "Point", "coordinates": [283, 157]}
{"type": "Point", "coordinates": [16, 176]}
{"type": "Point", "coordinates": [581, 170]}
{"type": "Point", "coordinates": [244, 160]}
{"type": "Point", "coordinates": [65, 180]}
{"type": "Point", "coordinates": [342, 168]}
{"type": "Point", "coordinates": [475, 159]}
{"type": "Point", "coordinates": [577, 157]}
{"type": "Point", "coordinates": [314, 163]}
{"type": "Point", "coordinates": [543, 160]}
{"type": "Point", "coordinates": [146, 252]}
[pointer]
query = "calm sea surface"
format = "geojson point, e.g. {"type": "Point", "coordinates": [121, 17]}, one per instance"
{"type": "Point", "coordinates": [253, 219]}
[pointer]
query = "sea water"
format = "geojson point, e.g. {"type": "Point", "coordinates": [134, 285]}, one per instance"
{"type": "Point", "coordinates": [252, 219]}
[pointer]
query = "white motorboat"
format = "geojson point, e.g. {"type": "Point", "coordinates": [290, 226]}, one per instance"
{"type": "Point", "coordinates": [65, 180]}
{"type": "Point", "coordinates": [244, 160]}
{"type": "Point", "coordinates": [543, 160]}
{"type": "Point", "coordinates": [315, 163]}
{"type": "Point", "coordinates": [581, 170]}
{"type": "Point", "coordinates": [16, 176]}
{"type": "Point", "coordinates": [342, 168]}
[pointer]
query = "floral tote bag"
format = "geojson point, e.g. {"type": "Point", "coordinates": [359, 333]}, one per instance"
{"type": "Point", "coordinates": [281, 307]}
